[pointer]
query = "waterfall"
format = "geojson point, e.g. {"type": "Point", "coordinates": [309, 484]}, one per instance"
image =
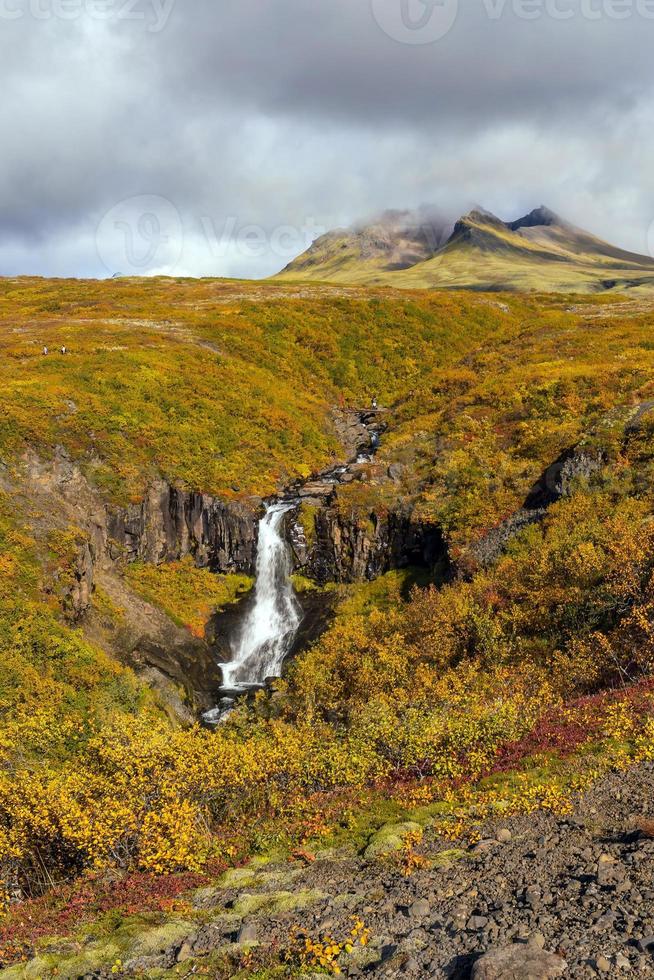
{"type": "Point", "coordinates": [272, 622]}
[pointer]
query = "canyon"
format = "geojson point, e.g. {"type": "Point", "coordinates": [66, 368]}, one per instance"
{"type": "Point", "coordinates": [324, 542]}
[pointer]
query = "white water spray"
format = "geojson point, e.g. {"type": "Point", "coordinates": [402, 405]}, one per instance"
{"type": "Point", "coordinates": [272, 622]}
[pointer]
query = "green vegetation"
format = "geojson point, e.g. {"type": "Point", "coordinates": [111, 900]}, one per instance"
{"type": "Point", "coordinates": [223, 390]}
{"type": "Point", "coordinates": [55, 687]}
{"type": "Point", "coordinates": [188, 594]}
{"type": "Point", "coordinates": [501, 691]}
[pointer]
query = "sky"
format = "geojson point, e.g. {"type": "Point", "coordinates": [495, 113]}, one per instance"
{"type": "Point", "coordinates": [220, 137]}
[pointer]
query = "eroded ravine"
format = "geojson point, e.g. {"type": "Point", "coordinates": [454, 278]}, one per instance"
{"type": "Point", "coordinates": [326, 542]}
{"type": "Point", "coordinates": [272, 616]}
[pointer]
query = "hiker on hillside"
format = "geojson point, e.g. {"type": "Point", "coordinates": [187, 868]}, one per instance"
{"type": "Point", "coordinates": [374, 402]}
{"type": "Point", "coordinates": [45, 351]}
{"type": "Point", "coordinates": [63, 350]}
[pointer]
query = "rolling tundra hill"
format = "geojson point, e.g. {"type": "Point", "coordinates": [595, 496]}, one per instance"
{"type": "Point", "coordinates": [538, 252]}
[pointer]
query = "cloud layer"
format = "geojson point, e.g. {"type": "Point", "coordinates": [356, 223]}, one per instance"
{"type": "Point", "coordinates": [201, 138]}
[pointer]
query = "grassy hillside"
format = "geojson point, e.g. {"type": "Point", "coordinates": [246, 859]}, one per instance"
{"type": "Point", "coordinates": [412, 698]}
{"type": "Point", "coordinates": [226, 387]}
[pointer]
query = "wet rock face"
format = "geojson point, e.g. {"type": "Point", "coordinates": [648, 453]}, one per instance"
{"type": "Point", "coordinates": [170, 523]}
{"type": "Point", "coordinates": [333, 544]}
{"type": "Point", "coordinates": [224, 627]}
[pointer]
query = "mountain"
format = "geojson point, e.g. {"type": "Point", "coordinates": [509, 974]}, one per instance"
{"type": "Point", "coordinates": [395, 241]}
{"type": "Point", "coordinates": [538, 252]}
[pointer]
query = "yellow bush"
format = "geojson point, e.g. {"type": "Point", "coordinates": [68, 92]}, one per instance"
{"type": "Point", "coordinates": [644, 742]}
{"type": "Point", "coordinates": [174, 839]}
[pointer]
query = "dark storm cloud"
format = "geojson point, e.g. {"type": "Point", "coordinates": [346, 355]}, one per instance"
{"type": "Point", "coordinates": [220, 137]}
{"type": "Point", "coordinates": [333, 59]}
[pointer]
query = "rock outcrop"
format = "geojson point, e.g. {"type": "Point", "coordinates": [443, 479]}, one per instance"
{"type": "Point", "coordinates": [170, 523]}
{"type": "Point", "coordinates": [518, 963]}
{"type": "Point", "coordinates": [350, 546]}
{"type": "Point", "coordinates": [581, 463]}
{"type": "Point", "coordinates": [555, 483]}
{"type": "Point", "coordinates": [79, 598]}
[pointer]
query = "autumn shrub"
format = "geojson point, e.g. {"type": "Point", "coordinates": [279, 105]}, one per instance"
{"type": "Point", "coordinates": [137, 794]}
{"type": "Point", "coordinates": [432, 690]}
{"type": "Point", "coordinates": [190, 595]}
{"type": "Point", "coordinates": [326, 953]}
{"type": "Point", "coordinates": [230, 390]}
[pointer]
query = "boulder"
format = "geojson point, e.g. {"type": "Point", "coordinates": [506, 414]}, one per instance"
{"type": "Point", "coordinates": [390, 838]}
{"type": "Point", "coordinates": [518, 962]}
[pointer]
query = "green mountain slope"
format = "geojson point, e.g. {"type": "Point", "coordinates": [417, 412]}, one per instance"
{"type": "Point", "coordinates": [539, 252]}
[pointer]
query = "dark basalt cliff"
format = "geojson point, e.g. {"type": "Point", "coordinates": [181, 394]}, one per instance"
{"type": "Point", "coordinates": [342, 545]}
{"type": "Point", "coordinates": [350, 547]}
{"type": "Point", "coordinates": [335, 544]}
{"type": "Point", "coordinates": [171, 523]}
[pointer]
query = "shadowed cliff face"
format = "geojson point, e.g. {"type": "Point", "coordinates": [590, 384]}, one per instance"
{"type": "Point", "coordinates": [170, 523]}
{"type": "Point", "coordinates": [345, 547]}
{"type": "Point", "coordinates": [353, 548]}
{"type": "Point", "coordinates": [333, 543]}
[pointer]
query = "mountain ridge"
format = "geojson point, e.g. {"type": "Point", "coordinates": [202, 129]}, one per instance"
{"type": "Point", "coordinates": [539, 251]}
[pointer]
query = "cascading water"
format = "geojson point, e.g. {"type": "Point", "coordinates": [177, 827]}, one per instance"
{"type": "Point", "coordinates": [272, 623]}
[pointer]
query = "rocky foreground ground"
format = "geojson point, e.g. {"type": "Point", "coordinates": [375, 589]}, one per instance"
{"type": "Point", "coordinates": [540, 896]}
